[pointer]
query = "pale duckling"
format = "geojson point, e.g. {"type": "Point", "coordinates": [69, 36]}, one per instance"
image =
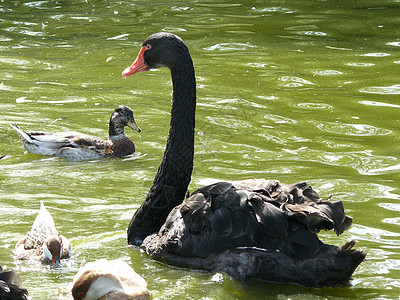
{"type": "Point", "coordinates": [108, 280]}
{"type": "Point", "coordinates": [43, 242]}
{"type": "Point", "coordinates": [76, 146]}
{"type": "Point", "coordinates": [10, 286]}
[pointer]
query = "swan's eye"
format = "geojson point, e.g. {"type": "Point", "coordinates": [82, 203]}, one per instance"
{"type": "Point", "coordinates": [147, 47]}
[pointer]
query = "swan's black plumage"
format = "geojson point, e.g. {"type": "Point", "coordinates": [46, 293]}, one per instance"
{"type": "Point", "coordinates": [252, 228]}
{"type": "Point", "coordinates": [10, 286]}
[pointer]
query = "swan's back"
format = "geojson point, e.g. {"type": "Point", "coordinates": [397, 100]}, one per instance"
{"type": "Point", "coordinates": [258, 228]}
{"type": "Point", "coordinates": [251, 213]}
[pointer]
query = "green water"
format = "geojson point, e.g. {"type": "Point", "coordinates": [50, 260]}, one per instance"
{"type": "Point", "coordinates": [288, 90]}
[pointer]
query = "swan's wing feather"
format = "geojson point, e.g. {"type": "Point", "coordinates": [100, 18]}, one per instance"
{"type": "Point", "coordinates": [12, 291]}
{"type": "Point", "coordinates": [221, 222]}
{"type": "Point", "coordinates": [301, 243]}
{"type": "Point", "coordinates": [251, 213]}
{"type": "Point", "coordinates": [324, 215]}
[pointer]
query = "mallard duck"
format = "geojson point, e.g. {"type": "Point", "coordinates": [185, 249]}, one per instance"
{"type": "Point", "coordinates": [252, 228]}
{"type": "Point", "coordinates": [108, 280]}
{"type": "Point", "coordinates": [10, 286]}
{"type": "Point", "coordinates": [76, 146]}
{"type": "Point", "coordinates": [43, 242]}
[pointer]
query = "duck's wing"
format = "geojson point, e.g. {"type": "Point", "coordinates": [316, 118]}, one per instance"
{"type": "Point", "coordinates": [70, 145]}
{"type": "Point", "coordinates": [85, 147]}
{"type": "Point", "coordinates": [42, 143]}
{"type": "Point", "coordinates": [31, 245]}
{"type": "Point", "coordinates": [44, 222]}
{"type": "Point", "coordinates": [252, 213]}
{"type": "Point", "coordinates": [65, 247]}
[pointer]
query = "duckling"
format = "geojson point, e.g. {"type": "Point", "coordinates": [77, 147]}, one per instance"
{"type": "Point", "coordinates": [10, 286]}
{"type": "Point", "coordinates": [108, 280]}
{"type": "Point", "coordinates": [43, 242]}
{"type": "Point", "coordinates": [76, 146]}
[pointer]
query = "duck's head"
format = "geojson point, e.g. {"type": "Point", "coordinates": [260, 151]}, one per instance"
{"type": "Point", "coordinates": [93, 284]}
{"type": "Point", "coordinates": [123, 116]}
{"type": "Point", "coordinates": [108, 280]}
{"type": "Point", "coordinates": [52, 250]}
{"type": "Point", "coordinates": [161, 49]}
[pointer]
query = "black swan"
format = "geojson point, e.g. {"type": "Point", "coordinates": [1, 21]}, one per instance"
{"type": "Point", "coordinates": [253, 228]}
{"type": "Point", "coordinates": [76, 146]}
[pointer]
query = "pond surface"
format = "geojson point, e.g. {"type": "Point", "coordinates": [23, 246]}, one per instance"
{"type": "Point", "coordinates": [288, 90]}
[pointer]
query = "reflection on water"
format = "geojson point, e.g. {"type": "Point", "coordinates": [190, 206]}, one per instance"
{"type": "Point", "coordinates": [388, 90]}
{"type": "Point", "coordinates": [291, 91]}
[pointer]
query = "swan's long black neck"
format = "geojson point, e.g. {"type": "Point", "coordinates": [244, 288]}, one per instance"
{"type": "Point", "coordinates": [173, 177]}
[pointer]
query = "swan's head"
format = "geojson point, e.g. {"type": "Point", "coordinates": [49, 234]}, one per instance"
{"type": "Point", "coordinates": [158, 50]}
{"type": "Point", "coordinates": [52, 251]}
{"type": "Point", "coordinates": [123, 116]}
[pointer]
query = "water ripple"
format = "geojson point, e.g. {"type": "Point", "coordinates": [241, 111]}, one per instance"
{"type": "Point", "coordinates": [378, 54]}
{"type": "Point", "coordinates": [353, 129]}
{"type": "Point", "coordinates": [376, 103]}
{"type": "Point", "coordinates": [315, 33]}
{"type": "Point", "coordinates": [272, 9]}
{"type": "Point", "coordinates": [383, 170]}
{"type": "Point", "coordinates": [277, 119]}
{"type": "Point", "coordinates": [327, 72]}
{"type": "Point", "coordinates": [390, 206]}
{"type": "Point", "coordinates": [293, 81]}
{"type": "Point", "coordinates": [232, 122]}
{"type": "Point", "coordinates": [229, 47]}
{"type": "Point", "coordinates": [397, 44]}
{"type": "Point", "coordinates": [359, 64]}
{"type": "Point", "coordinates": [314, 106]}
{"type": "Point", "coordinates": [382, 90]}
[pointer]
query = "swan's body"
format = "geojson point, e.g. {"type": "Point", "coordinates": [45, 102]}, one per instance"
{"type": "Point", "coordinates": [76, 146]}
{"type": "Point", "coordinates": [253, 228]}
{"type": "Point", "coordinates": [108, 280]}
{"type": "Point", "coordinates": [43, 242]}
{"type": "Point", "coordinates": [10, 286]}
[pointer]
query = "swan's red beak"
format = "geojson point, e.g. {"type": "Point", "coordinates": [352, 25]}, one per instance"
{"type": "Point", "coordinates": [137, 66]}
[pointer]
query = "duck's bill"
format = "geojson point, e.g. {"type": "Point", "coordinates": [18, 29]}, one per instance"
{"type": "Point", "coordinates": [137, 66]}
{"type": "Point", "coordinates": [132, 124]}
{"type": "Point", "coordinates": [56, 263]}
